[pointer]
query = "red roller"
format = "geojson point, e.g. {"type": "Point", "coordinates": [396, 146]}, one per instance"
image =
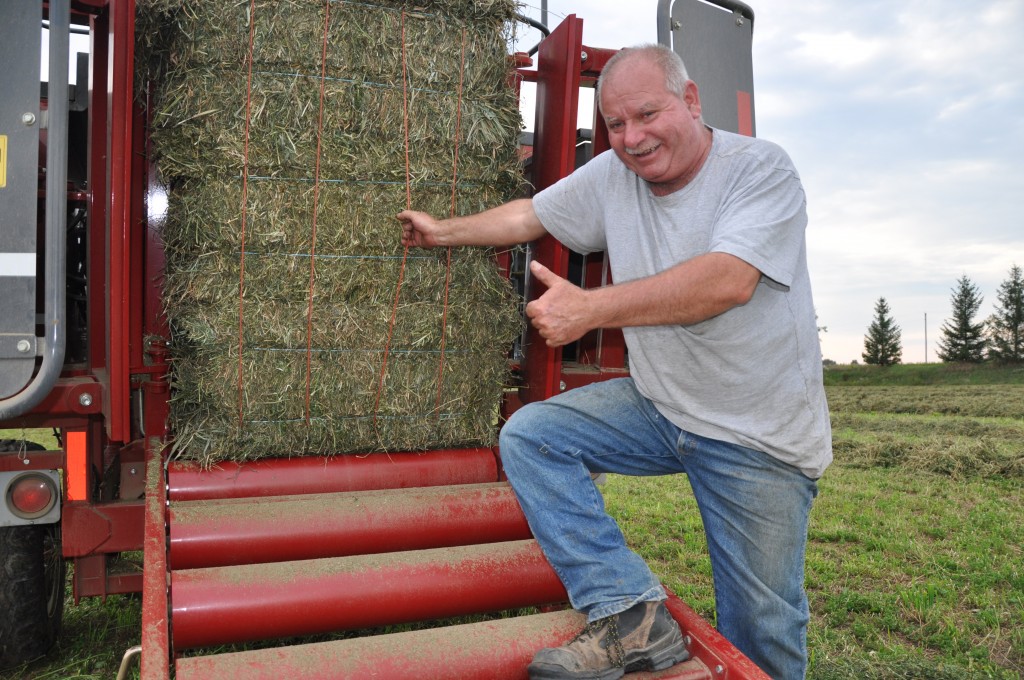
{"type": "Point", "coordinates": [284, 476]}
{"type": "Point", "coordinates": [490, 649]}
{"type": "Point", "coordinates": [240, 531]}
{"type": "Point", "coordinates": [254, 602]}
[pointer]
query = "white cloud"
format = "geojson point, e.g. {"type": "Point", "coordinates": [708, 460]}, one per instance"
{"type": "Point", "coordinates": [904, 121]}
{"type": "Point", "coordinates": [843, 50]}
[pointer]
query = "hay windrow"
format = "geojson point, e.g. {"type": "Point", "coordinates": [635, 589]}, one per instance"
{"type": "Point", "coordinates": [290, 343]}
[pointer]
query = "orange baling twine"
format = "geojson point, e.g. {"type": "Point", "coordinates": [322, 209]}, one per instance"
{"type": "Point", "coordinates": [448, 264]}
{"type": "Point", "coordinates": [405, 249]}
{"type": "Point", "coordinates": [408, 205]}
{"type": "Point", "coordinates": [245, 192]}
{"type": "Point", "coordinates": [316, 205]}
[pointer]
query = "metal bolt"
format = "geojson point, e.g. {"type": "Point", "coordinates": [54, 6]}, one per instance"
{"type": "Point", "coordinates": [687, 641]}
{"type": "Point", "coordinates": [583, 56]}
{"type": "Point", "coordinates": [28, 118]}
{"type": "Point", "coordinates": [561, 385]}
{"type": "Point", "coordinates": [676, 25]}
{"type": "Point", "coordinates": [24, 346]}
{"type": "Point", "coordinates": [85, 399]}
{"type": "Point", "coordinates": [719, 669]}
{"type": "Point", "coordinates": [132, 471]}
{"type": "Point", "coordinates": [739, 21]}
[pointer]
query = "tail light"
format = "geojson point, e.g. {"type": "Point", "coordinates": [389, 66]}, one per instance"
{"type": "Point", "coordinates": [31, 495]}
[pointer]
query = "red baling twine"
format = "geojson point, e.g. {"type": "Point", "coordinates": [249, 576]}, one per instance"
{"type": "Point", "coordinates": [408, 205]}
{"type": "Point", "coordinates": [245, 193]}
{"type": "Point", "coordinates": [316, 206]}
{"type": "Point", "coordinates": [448, 263]}
{"type": "Point", "coordinates": [316, 203]}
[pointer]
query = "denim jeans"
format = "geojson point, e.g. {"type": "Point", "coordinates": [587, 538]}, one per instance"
{"type": "Point", "coordinates": [754, 509]}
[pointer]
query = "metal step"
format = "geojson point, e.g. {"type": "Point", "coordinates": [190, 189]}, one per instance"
{"type": "Point", "coordinates": [223, 532]}
{"type": "Point", "coordinates": [488, 650]}
{"type": "Point", "coordinates": [265, 601]}
{"type": "Point", "coordinates": [325, 551]}
{"type": "Point", "coordinates": [188, 481]}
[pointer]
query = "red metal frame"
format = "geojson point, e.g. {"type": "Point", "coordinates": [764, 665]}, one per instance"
{"type": "Point", "coordinates": [564, 65]}
{"type": "Point", "coordinates": [96, 399]}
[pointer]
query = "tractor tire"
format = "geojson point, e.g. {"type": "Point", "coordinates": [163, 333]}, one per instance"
{"type": "Point", "coordinates": [32, 573]}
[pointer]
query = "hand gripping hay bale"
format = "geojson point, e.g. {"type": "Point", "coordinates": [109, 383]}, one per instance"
{"type": "Point", "coordinates": [299, 323]}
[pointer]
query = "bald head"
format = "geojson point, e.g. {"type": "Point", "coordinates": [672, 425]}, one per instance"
{"type": "Point", "coordinates": [647, 55]}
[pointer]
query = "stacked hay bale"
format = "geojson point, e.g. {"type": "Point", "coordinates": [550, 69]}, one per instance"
{"type": "Point", "coordinates": [290, 133]}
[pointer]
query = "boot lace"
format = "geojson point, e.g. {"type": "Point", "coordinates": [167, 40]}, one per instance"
{"type": "Point", "coordinates": [612, 645]}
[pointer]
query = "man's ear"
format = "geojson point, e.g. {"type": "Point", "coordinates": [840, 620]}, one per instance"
{"type": "Point", "coordinates": [692, 98]}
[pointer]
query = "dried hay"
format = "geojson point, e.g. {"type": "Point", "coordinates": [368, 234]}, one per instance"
{"type": "Point", "coordinates": [332, 361]}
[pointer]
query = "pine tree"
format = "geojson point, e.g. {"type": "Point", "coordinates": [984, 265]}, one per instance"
{"type": "Point", "coordinates": [882, 344]}
{"type": "Point", "coordinates": [963, 340]}
{"type": "Point", "coordinates": [1006, 326]}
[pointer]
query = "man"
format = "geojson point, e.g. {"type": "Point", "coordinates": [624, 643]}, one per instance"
{"type": "Point", "coordinates": [704, 231]}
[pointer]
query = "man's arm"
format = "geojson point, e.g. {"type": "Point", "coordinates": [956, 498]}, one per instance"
{"type": "Point", "coordinates": [688, 293]}
{"type": "Point", "coordinates": [509, 224]}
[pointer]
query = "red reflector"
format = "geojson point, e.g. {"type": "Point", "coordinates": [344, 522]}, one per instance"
{"type": "Point", "coordinates": [32, 496]}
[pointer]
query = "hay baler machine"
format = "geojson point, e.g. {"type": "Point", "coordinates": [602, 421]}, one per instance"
{"type": "Point", "coordinates": [265, 553]}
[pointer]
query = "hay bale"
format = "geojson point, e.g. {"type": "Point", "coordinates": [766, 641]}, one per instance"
{"type": "Point", "coordinates": [286, 344]}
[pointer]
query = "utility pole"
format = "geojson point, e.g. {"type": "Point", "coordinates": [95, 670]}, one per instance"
{"type": "Point", "coordinates": [926, 337]}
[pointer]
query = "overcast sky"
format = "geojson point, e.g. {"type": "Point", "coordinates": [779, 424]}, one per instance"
{"type": "Point", "coordinates": [906, 122]}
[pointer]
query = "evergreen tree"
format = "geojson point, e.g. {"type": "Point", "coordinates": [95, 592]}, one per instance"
{"type": "Point", "coordinates": [1006, 326]}
{"type": "Point", "coordinates": [963, 340]}
{"type": "Point", "coordinates": [882, 344]}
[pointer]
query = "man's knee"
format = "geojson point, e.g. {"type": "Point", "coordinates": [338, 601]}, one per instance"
{"type": "Point", "coordinates": [525, 427]}
{"type": "Point", "coordinates": [529, 437]}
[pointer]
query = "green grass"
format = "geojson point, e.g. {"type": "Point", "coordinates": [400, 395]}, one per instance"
{"type": "Point", "coordinates": [96, 635]}
{"type": "Point", "coordinates": [915, 569]}
{"type": "Point", "coordinates": [914, 564]}
{"type": "Point", "coordinates": [905, 572]}
{"type": "Point", "coordinates": [44, 438]}
{"type": "Point", "coordinates": [926, 374]}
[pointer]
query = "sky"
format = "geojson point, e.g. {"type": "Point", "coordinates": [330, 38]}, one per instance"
{"type": "Point", "coordinates": [905, 120]}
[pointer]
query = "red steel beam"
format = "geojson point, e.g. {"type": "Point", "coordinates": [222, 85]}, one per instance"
{"type": "Point", "coordinates": [710, 647]}
{"type": "Point", "coordinates": [240, 531]}
{"type": "Point", "coordinates": [554, 157]}
{"type": "Point", "coordinates": [31, 460]}
{"type": "Point", "coordinates": [286, 476]}
{"type": "Point", "coordinates": [91, 528]}
{"type": "Point", "coordinates": [120, 234]}
{"type": "Point", "coordinates": [92, 578]}
{"type": "Point", "coordinates": [155, 634]}
{"type": "Point", "coordinates": [266, 601]}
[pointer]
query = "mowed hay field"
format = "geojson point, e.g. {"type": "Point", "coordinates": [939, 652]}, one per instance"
{"type": "Point", "coordinates": [914, 567]}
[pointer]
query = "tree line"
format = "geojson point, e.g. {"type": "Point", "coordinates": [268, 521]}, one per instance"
{"type": "Point", "coordinates": [999, 338]}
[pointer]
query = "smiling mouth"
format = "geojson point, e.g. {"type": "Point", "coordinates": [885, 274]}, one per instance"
{"type": "Point", "coordinates": [639, 153]}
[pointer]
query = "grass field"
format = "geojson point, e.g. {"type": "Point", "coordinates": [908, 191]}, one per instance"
{"type": "Point", "coordinates": [914, 566]}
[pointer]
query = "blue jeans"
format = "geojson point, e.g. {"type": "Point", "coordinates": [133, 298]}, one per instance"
{"type": "Point", "coordinates": [754, 508]}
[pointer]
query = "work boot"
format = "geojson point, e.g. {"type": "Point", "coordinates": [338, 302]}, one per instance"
{"type": "Point", "coordinates": [644, 637]}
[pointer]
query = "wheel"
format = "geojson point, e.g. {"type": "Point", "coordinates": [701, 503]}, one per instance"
{"type": "Point", "coordinates": [32, 572]}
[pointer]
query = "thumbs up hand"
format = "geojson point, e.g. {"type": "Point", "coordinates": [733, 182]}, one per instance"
{"type": "Point", "coordinates": [561, 315]}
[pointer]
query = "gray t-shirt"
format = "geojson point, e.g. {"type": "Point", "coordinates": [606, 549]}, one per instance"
{"type": "Point", "coordinates": [752, 375]}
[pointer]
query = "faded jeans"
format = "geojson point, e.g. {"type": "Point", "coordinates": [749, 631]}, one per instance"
{"type": "Point", "coordinates": [754, 508]}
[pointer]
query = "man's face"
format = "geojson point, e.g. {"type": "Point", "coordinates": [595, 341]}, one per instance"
{"type": "Point", "coordinates": [657, 134]}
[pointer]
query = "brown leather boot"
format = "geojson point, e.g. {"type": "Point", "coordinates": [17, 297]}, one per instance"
{"type": "Point", "coordinates": [644, 637]}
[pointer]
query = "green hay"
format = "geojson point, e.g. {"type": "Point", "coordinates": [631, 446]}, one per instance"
{"type": "Point", "coordinates": [312, 376]}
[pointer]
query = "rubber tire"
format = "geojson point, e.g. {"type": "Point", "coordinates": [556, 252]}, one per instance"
{"type": "Point", "coordinates": [32, 573]}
